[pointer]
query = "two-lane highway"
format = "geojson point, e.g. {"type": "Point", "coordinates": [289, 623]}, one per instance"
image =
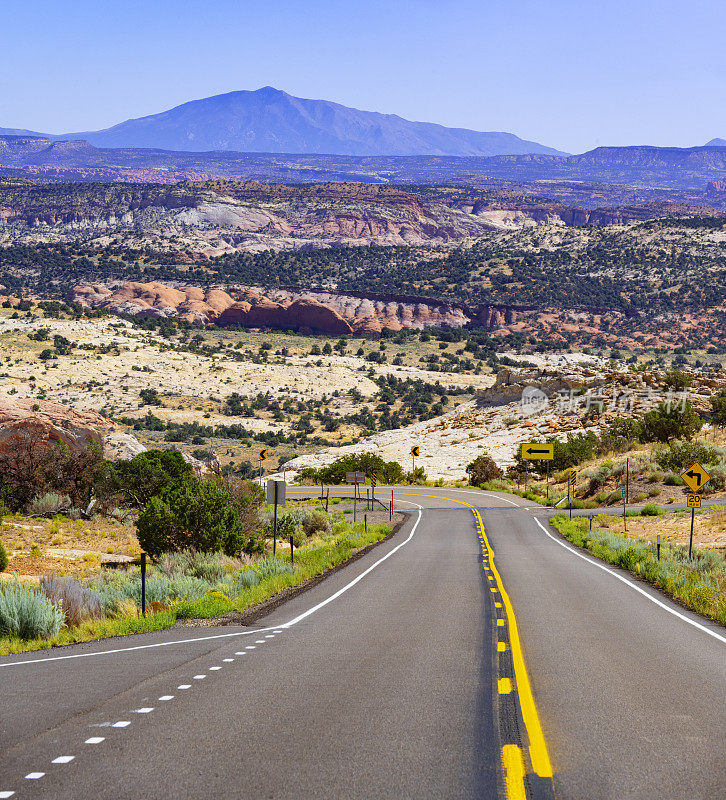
{"type": "Point", "coordinates": [394, 677]}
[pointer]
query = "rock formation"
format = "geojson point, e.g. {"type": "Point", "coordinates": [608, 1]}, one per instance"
{"type": "Point", "coordinates": [41, 424]}
{"type": "Point", "coordinates": [315, 311]}
{"type": "Point", "coordinates": [49, 422]}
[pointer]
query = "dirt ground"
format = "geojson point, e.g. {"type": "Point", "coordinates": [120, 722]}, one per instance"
{"type": "Point", "coordinates": [709, 529]}
{"type": "Point", "coordinates": [65, 546]}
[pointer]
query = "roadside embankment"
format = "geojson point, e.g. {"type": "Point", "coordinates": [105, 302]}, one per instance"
{"type": "Point", "coordinates": [698, 583]}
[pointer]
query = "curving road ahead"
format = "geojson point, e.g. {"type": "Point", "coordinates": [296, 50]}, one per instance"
{"type": "Point", "coordinates": [402, 675]}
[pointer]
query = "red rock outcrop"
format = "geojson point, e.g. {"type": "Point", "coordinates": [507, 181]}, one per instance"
{"type": "Point", "coordinates": [156, 299]}
{"type": "Point", "coordinates": [313, 310]}
{"type": "Point", "coordinates": [303, 314]}
{"type": "Point", "coordinates": [45, 423]}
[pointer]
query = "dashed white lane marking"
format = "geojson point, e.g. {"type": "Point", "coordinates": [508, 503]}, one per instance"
{"type": "Point", "coordinates": [214, 669]}
{"type": "Point", "coordinates": [62, 760]}
{"type": "Point", "coordinates": [240, 653]}
{"type": "Point", "coordinates": [633, 586]}
{"type": "Point", "coordinates": [184, 686]}
{"type": "Point", "coordinates": [5, 795]}
{"type": "Point", "coordinates": [270, 636]}
{"type": "Point", "coordinates": [277, 630]}
{"type": "Point", "coordinates": [34, 776]}
{"type": "Point", "coordinates": [124, 723]}
{"type": "Point", "coordinates": [95, 740]}
{"type": "Point", "coordinates": [228, 659]}
{"type": "Point", "coordinates": [259, 641]}
{"type": "Point", "coordinates": [167, 697]}
{"type": "Point", "coordinates": [199, 677]}
{"type": "Point", "coordinates": [250, 647]}
{"type": "Point", "coordinates": [145, 710]}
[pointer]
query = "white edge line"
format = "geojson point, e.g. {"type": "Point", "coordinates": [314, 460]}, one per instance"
{"type": "Point", "coordinates": [635, 586]}
{"type": "Point", "coordinates": [237, 633]}
{"type": "Point", "coordinates": [359, 577]}
{"type": "Point", "coordinates": [136, 647]}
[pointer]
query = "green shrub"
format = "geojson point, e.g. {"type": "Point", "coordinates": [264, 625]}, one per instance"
{"type": "Point", "coordinates": [668, 422]}
{"type": "Point", "coordinates": [210, 567]}
{"type": "Point", "coordinates": [245, 580]}
{"type": "Point", "coordinates": [677, 380]}
{"type": "Point", "coordinates": [192, 515]}
{"type": "Point", "coordinates": [77, 603]}
{"type": "Point", "coordinates": [113, 589]}
{"type": "Point", "coordinates": [315, 522]}
{"type": "Point", "coordinates": [3, 558]}
{"type": "Point", "coordinates": [288, 527]}
{"type": "Point", "coordinates": [718, 479]}
{"type": "Point", "coordinates": [144, 476]}
{"type": "Point", "coordinates": [26, 612]}
{"type": "Point", "coordinates": [680, 455]}
{"type": "Point", "coordinates": [650, 510]}
{"type": "Point", "coordinates": [718, 404]}
{"type": "Point", "coordinates": [48, 504]}
{"type": "Point", "coordinates": [267, 567]}
{"type": "Point", "coordinates": [388, 471]}
{"type": "Point", "coordinates": [673, 480]}
{"type": "Point", "coordinates": [598, 478]}
{"type": "Point", "coordinates": [483, 469]}
{"type": "Point", "coordinates": [621, 435]}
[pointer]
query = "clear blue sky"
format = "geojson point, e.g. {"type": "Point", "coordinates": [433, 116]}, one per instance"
{"type": "Point", "coordinates": [567, 73]}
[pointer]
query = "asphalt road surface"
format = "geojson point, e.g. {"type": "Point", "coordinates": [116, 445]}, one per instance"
{"type": "Point", "coordinates": [400, 676]}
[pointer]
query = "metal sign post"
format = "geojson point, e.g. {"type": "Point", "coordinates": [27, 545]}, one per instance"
{"type": "Point", "coordinates": [414, 453]}
{"type": "Point", "coordinates": [276, 490]}
{"type": "Point", "coordinates": [695, 478]}
{"type": "Point", "coordinates": [693, 502]}
{"type": "Point", "coordinates": [571, 488]}
{"type": "Point", "coordinates": [624, 492]}
{"type": "Point", "coordinates": [355, 478]}
{"type": "Point", "coordinates": [627, 480]}
{"type": "Point", "coordinates": [143, 584]}
{"type": "Point", "coordinates": [263, 456]}
{"type": "Point", "coordinates": [538, 451]}
{"type": "Point", "coordinates": [569, 503]}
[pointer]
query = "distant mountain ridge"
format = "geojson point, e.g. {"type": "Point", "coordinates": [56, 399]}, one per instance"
{"type": "Point", "coordinates": [694, 168]}
{"type": "Point", "coordinates": [269, 120]}
{"type": "Point", "coordinates": [716, 143]}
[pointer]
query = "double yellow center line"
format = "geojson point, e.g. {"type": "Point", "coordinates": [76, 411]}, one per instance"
{"type": "Point", "coordinates": [512, 757]}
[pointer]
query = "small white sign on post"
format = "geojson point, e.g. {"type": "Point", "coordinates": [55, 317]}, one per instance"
{"type": "Point", "coordinates": [276, 497]}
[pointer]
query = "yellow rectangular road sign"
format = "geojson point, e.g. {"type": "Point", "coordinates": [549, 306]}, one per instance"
{"type": "Point", "coordinates": [694, 500]}
{"type": "Point", "coordinates": [695, 477]}
{"type": "Point", "coordinates": [535, 451]}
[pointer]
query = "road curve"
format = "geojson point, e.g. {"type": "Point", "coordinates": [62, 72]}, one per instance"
{"type": "Point", "coordinates": [385, 680]}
